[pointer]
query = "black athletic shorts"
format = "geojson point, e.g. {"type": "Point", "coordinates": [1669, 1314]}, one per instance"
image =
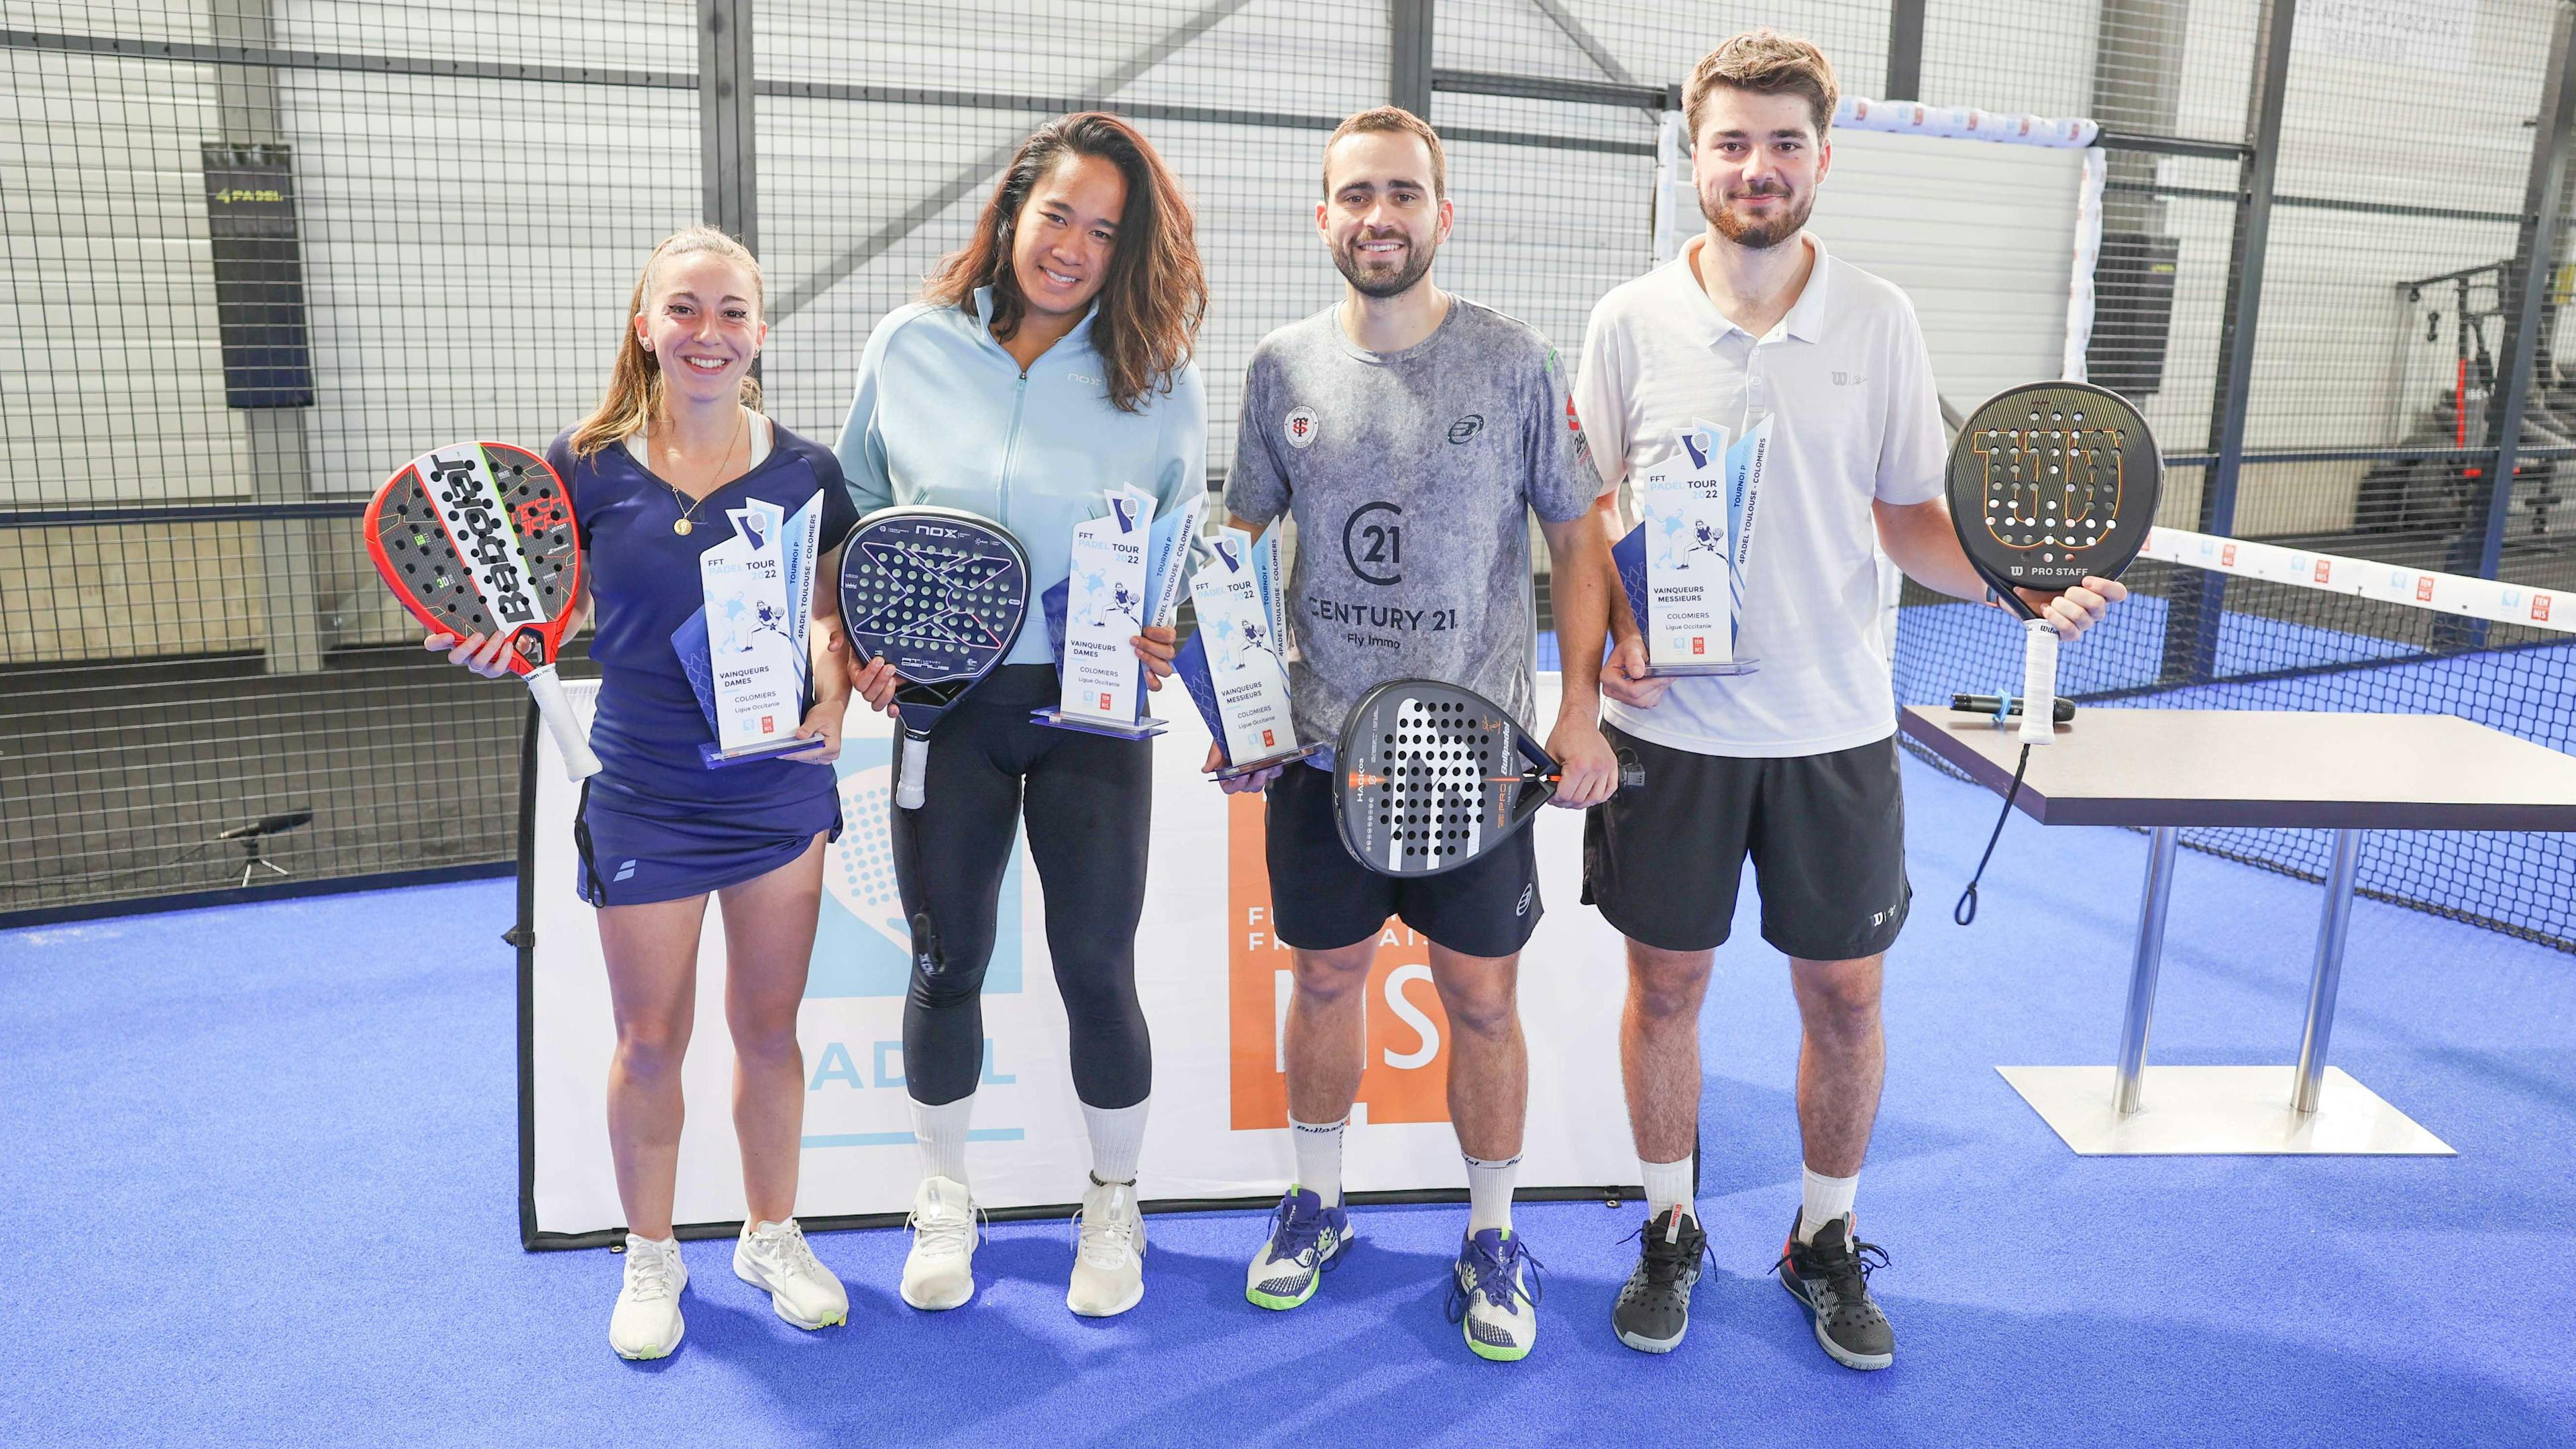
{"type": "Point", "coordinates": [1826, 834]}
{"type": "Point", "coordinates": [1322, 900]}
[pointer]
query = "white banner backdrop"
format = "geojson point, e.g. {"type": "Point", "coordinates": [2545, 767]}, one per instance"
{"type": "Point", "coordinates": [1215, 985]}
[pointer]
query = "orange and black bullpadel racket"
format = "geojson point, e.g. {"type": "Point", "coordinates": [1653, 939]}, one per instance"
{"type": "Point", "coordinates": [1429, 776]}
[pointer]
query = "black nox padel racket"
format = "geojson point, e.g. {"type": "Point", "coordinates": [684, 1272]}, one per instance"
{"type": "Point", "coordinates": [2050, 483]}
{"type": "Point", "coordinates": [939, 594]}
{"type": "Point", "coordinates": [1429, 776]}
{"type": "Point", "coordinates": [478, 538]}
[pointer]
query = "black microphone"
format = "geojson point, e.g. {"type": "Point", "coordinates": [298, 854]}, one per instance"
{"type": "Point", "coordinates": [2008, 706]}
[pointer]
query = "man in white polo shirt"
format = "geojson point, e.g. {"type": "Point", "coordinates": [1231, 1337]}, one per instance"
{"type": "Point", "coordinates": [1794, 765]}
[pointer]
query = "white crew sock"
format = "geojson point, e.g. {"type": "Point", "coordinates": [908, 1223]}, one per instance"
{"type": "Point", "coordinates": [1117, 1138]}
{"type": "Point", "coordinates": [1319, 1157]}
{"type": "Point", "coordinates": [941, 1132]}
{"type": "Point", "coordinates": [1827, 1198]}
{"type": "Point", "coordinates": [1489, 1192]}
{"type": "Point", "coordinates": [1668, 1184]}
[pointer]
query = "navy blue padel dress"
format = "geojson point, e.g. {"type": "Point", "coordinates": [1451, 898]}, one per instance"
{"type": "Point", "coordinates": [655, 823]}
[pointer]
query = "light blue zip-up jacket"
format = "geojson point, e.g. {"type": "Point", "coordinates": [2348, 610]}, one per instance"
{"type": "Point", "coordinates": [945, 417]}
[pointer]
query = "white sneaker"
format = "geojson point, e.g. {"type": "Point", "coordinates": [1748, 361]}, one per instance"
{"type": "Point", "coordinates": [939, 1272]}
{"type": "Point", "coordinates": [1494, 1293]}
{"type": "Point", "coordinates": [1109, 1252]}
{"type": "Point", "coordinates": [775, 1256]}
{"type": "Point", "coordinates": [646, 1323]}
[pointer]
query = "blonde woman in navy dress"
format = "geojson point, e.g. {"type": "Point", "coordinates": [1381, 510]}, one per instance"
{"type": "Point", "coordinates": [677, 441]}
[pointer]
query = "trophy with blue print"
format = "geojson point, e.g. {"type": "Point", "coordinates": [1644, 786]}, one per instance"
{"type": "Point", "coordinates": [745, 651]}
{"type": "Point", "coordinates": [1683, 565]}
{"type": "Point", "coordinates": [1236, 665]}
{"type": "Point", "coordinates": [1124, 575]}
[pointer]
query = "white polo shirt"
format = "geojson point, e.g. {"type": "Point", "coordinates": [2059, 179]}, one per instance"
{"type": "Point", "coordinates": [1854, 418]}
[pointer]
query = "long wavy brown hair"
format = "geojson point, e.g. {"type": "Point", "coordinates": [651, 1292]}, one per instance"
{"type": "Point", "coordinates": [1149, 309]}
{"type": "Point", "coordinates": [634, 396]}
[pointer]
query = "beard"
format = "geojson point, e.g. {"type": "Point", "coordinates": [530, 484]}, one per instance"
{"type": "Point", "coordinates": [1757, 235]}
{"type": "Point", "coordinates": [1382, 282]}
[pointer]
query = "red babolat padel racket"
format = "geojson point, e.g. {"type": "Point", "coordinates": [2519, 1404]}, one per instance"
{"type": "Point", "coordinates": [478, 538]}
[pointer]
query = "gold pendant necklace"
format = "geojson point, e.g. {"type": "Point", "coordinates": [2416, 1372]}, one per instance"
{"type": "Point", "coordinates": [683, 524]}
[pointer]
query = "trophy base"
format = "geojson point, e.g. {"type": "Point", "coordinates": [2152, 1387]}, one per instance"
{"type": "Point", "coordinates": [1143, 727]}
{"type": "Point", "coordinates": [717, 759]}
{"type": "Point", "coordinates": [1266, 762]}
{"type": "Point", "coordinates": [1714, 668]}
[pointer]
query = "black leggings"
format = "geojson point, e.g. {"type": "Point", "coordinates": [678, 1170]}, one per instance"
{"type": "Point", "coordinates": [1088, 800]}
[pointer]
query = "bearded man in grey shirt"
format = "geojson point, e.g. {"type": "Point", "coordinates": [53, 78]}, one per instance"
{"type": "Point", "coordinates": [1410, 433]}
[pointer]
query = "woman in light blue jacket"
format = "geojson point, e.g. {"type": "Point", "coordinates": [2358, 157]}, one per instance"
{"type": "Point", "coordinates": [1048, 362]}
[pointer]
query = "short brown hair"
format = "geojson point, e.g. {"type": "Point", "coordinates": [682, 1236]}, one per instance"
{"type": "Point", "coordinates": [1766, 63]}
{"type": "Point", "coordinates": [1385, 120]}
{"type": "Point", "coordinates": [1146, 318]}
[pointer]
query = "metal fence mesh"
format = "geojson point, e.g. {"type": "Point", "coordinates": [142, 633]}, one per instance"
{"type": "Point", "coordinates": [264, 253]}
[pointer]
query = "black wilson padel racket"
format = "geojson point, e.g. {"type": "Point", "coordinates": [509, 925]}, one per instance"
{"type": "Point", "coordinates": [2050, 483]}
{"type": "Point", "coordinates": [478, 538]}
{"type": "Point", "coordinates": [940, 594]}
{"type": "Point", "coordinates": [1429, 776]}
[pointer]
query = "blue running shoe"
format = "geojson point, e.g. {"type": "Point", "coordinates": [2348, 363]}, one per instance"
{"type": "Point", "coordinates": [1494, 1294]}
{"type": "Point", "coordinates": [1306, 1238]}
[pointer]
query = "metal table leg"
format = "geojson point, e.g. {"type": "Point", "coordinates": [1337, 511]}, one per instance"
{"type": "Point", "coordinates": [2222, 1109]}
{"type": "Point", "coordinates": [2142, 969]}
{"type": "Point", "coordinates": [2328, 975]}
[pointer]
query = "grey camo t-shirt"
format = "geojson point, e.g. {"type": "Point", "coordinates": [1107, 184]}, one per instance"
{"type": "Point", "coordinates": [1410, 475]}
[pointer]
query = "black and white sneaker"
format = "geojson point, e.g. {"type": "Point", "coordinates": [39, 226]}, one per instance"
{"type": "Point", "coordinates": [1830, 1278]}
{"type": "Point", "coordinates": [1654, 1309]}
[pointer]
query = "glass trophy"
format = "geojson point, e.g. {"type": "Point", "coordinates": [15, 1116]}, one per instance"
{"type": "Point", "coordinates": [1683, 565]}
{"type": "Point", "coordinates": [1235, 666]}
{"type": "Point", "coordinates": [745, 651]}
{"type": "Point", "coordinates": [1125, 574]}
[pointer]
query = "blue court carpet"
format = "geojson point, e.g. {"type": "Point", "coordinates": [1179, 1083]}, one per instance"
{"type": "Point", "coordinates": [258, 1173]}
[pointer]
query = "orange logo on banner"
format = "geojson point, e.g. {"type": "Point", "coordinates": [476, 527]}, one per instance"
{"type": "Point", "coordinates": [1406, 1078]}
{"type": "Point", "coordinates": [2540, 607]}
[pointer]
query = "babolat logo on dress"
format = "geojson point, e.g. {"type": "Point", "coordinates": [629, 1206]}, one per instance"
{"type": "Point", "coordinates": [478, 521]}
{"type": "Point", "coordinates": [1466, 427]}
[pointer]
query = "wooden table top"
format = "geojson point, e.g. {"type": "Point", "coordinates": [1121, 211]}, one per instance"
{"type": "Point", "coordinates": [2265, 768]}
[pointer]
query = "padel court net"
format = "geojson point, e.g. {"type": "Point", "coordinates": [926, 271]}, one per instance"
{"type": "Point", "coordinates": [2273, 645]}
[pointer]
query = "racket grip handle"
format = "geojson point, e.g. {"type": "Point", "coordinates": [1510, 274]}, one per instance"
{"type": "Point", "coordinates": [562, 723]}
{"type": "Point", "coordinates": [908, 791]}
{"type": "Point", "coordinates": [2038, 682]}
